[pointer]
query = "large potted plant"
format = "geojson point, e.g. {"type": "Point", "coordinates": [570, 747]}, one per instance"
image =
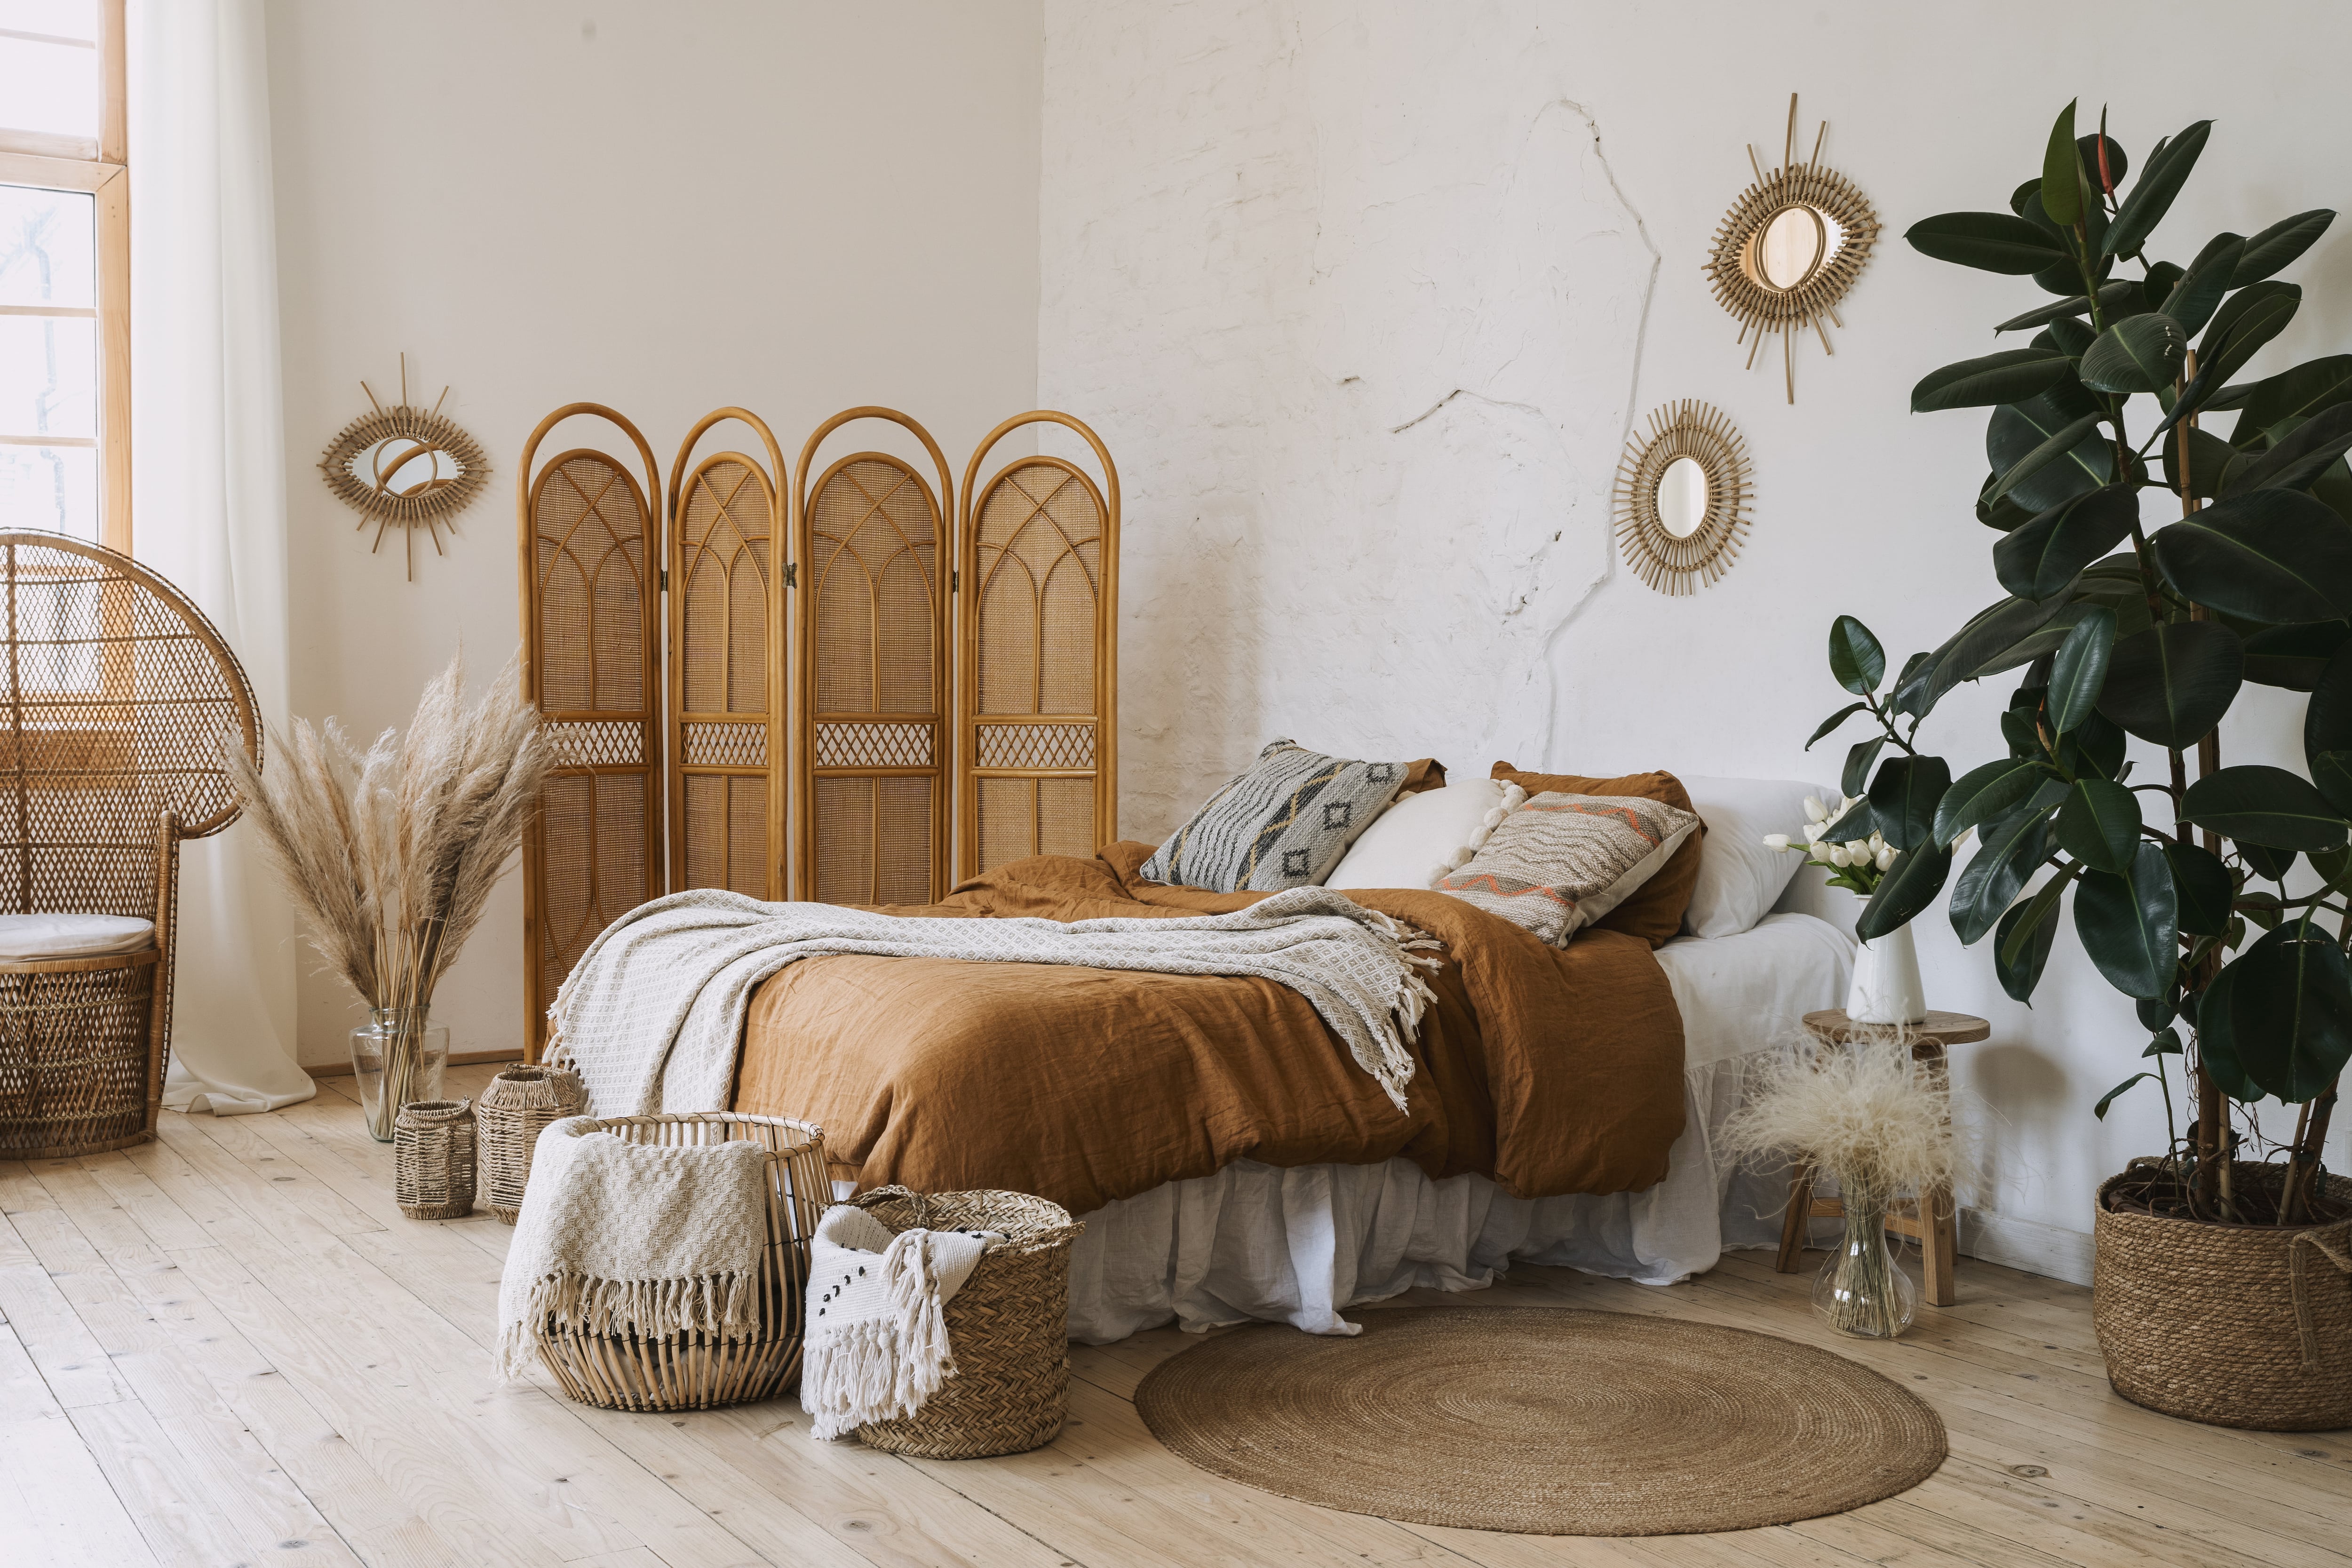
{"type": "Point", "coordinates": [2167, 533]}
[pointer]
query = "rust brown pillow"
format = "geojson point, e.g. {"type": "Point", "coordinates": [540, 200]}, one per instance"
{"type": "Point", "coordinates": [1654, 912]}
{"type": "Point", "coordinates": [1421, 773]}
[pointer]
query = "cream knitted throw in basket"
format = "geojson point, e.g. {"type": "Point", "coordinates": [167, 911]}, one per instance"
{"type": "Point", "coordinates": [877, 1346]}
{"type": "Point", "coordinates": [616, 1236]}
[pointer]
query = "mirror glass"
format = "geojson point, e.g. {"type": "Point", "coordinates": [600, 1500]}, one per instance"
{"type": "Point", "coordinates": [402, 465]}
{"type": "Point", "coordinates": [1792, 247]}
{"type": "Point", "coordinates": [1681, 497]}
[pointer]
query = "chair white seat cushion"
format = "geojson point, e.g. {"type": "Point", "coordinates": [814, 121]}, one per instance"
{"type": "Point", "coordinates": [27, 938]}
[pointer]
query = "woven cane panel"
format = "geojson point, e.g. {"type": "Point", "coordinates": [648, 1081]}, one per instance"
{"type": "Point", "coordinates": [882, 745]}
{"type": "Point", "coordinates": [902, 814]}
{"type": "Point", "coordinates": [1037, 746]}
{"type": "Point", "coordinates": [845, 840]}
{"type": "Point", "coordinates": [725, 539]}
{"type": "Point", "coordinates": [873, 559]}
{"type": "Point", "coordinates": [590, 532]}
{"type": "Point", "coordinates": [726, 745]}
{"type": "Point", "coordinates": [605, 743]}
{"type": "Point", "coordinates": [73, 1059]}
{"type": "Point", "coordinates": [592, 863]}
{"type": "Point", "coordinates": [726, 832]}
{"type": "Point", "coordinates": [1039, 537]}
{"type": "Point", "coordinates": [1034, 816]}
{"type": "Point", "coordinates": [1065, 817]}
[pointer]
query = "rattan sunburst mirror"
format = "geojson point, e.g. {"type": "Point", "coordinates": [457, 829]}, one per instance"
{"type": "Point", "coordinates": [1682, 498]}
{"type": "Point", "coordinates": [1789, 248]}
{"type": "Point", "coordinates": [404, 467]}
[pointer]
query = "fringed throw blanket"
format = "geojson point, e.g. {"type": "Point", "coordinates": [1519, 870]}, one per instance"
{"type": "Point", "coordinates": [877, 1346]}
{"type": "Point", "coordinates": [616, 1235]}
{"type": "Point", "coordinates": [652, 1016]}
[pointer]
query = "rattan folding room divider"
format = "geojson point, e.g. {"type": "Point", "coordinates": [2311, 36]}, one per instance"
{"type": "Point", "coordinates": [765, 688]}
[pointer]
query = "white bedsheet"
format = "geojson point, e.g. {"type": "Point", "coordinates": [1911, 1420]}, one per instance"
{"type": "Point", "coordinates": [1300, 1245]}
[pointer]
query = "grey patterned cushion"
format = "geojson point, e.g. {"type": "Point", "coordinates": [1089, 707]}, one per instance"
{"type": "Point", "coordinates": [1562, 861]}
{"type": "Point", "coordinates": [1284, 824]}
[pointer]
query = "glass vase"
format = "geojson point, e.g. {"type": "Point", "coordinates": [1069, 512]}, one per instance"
{"type": "Point", "coordinates": [1862, 1290]}
{"type": "Point", "coordinates": [397, 1055]}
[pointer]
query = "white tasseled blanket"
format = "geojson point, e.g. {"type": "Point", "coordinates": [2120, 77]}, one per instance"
{"type": "Point", "coordinates": [877, 1345]}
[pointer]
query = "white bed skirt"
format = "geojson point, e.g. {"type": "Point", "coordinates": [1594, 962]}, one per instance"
{"type": "Point", "coordinates": [1300, 1245]}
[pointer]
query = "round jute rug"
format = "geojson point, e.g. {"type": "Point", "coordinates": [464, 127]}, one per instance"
{"type": "Point", "coordinates": [1544, 1420]}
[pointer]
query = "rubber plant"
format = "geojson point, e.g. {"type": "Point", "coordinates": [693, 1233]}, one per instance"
{"type": "Point", "coordinates": [2167, 533]}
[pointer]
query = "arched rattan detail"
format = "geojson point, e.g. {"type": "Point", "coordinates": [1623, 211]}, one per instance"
{"type": "Point", "coordinates": [120, 697]}
{"type": "Point", "coordinates": [730, 529]}
{"type": "Point", "coordinates": [1038, 666]}
{"type": "Point", "coordinates": [590, 594]}
{"type": "Point", "coordinates": [1683, 565]}
{"type": "Point", "coordinates": [876, 554]}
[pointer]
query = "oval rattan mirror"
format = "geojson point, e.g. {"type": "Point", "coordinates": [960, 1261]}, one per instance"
{"type": "Point", "coordinates": [404, 467]}
{"type": "Point", "coordinates": [1682, 498]}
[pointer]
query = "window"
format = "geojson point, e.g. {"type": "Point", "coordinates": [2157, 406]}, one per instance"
{"type": "Point", "coordinates": [65, 270]}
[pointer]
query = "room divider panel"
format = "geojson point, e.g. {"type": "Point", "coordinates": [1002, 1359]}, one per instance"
{"type": "Point", "coordinates": [590, 594]}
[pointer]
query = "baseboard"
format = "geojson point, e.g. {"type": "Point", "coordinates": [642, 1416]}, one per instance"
{"type": "Point", "coordinates": [456, 1059]}
{"type": "Point", "coordinates": [2049, 1250]}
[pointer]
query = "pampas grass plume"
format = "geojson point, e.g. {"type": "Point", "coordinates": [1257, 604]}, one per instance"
{"type": "Point", "coordinates": [1868, 1112]}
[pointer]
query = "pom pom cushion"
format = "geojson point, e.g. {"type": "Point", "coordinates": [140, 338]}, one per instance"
{"type": "Point", "coordinates": [1284, 824]}
{"type": "Point", "coordinates": [27, 938]}
{"type": "Point", "coordinates": [1654, 910]}
{"type": "Point", "coordinates": [1562, 862]}
{"type": "Point", "coordinates": [1424, 836]}
{"type": "Point", "coordinates": [1739, 880]}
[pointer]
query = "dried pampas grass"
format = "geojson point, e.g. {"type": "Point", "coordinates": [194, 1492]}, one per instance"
{"type": "Point", "coordinates": [1868, 1112]}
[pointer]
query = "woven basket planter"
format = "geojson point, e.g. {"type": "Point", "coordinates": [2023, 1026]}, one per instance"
{"type": "Point", "coordinates": [433, 1164]}
{"type": "Point", "coordinates": [697, 1371]}
{"type": "Point", "coordinates": [513, 1111]}
{"type": "Point", "coordinates": [1008, 1328]}
{"type": "Point", "coordinates": [2234, 1325]}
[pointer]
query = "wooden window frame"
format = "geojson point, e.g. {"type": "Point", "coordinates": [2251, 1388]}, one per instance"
{"type": "Point", "coordinates": [102, 168]}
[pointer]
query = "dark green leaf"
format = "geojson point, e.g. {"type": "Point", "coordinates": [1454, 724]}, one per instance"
{"type": "Point", "coordinates": [2155, 1013]}
{"type": "Point", "coordinates": [2296, 462]}
{"type": "Point", "coordinates": [2039, 909]}
{"type": "Point", "coordinates": [2166, 1042]}
{"type": "Point", "coordinates": [2209, 455]}
{"type": "Point", "coordinates": [1858, 821]}
{"type": "Point", "coordinates": [2080, 668]}
{"type": "Point", "coordinates": [2172, 683]}
{"type": "Point", "coordinates": [2189, 299]}
{"type": "Point", "coordinates": [2328, 720]}
{"type": "Point", "coordinates": [2010, 375]}
{"type": "Point", "coordinates": [1984, 794]}
{"type": "Point", "coordinates": [2099, 825]}
{"type": "Point", "coordinates": [1989, 884]}
{"type": "Point", "coordinates": [2216, 1050]}
{"type": "Point", "coordinates": [2095, 748]}
{"type": "Point", "coordinates": [2160, 179]}
{"type": "Point", "coordinates": [2272, 865]}
{"type": "Point", "coordinates": [2071, 337]}
{"type": "Point", "coordinates": [2203, 886]}
{"type": "Point", "coordinates": [1833, 720]}
{"type": "Point", "coordinates": [2276, 247]}
{"type": "Point", "coordinates": [1909, 886]}
{"type": "Point", "coordinates": [2084, 451]}
{"type": "Point", "coordinates": [2256, 804]}
{"type": "Point", "coordinates": [1858, 758]}
{"type": "Point", "coordinates": [2335, 865]}
{"type": "Point", "coordinates": [2100, 1109]}
{"type": "Point", "coordinates": [2291, 1012]}
{"type": "Point", "coordinates": [1903, 798]}
{"type": "Point", "coordinates": [2246, 320]}
{"type": "Point", "coordinates": [2332, 773]}
{"type": "Point", "coordinates": [2279, 557]}
{"type": "Point", "coordinates": [2140, 353]}
{"type": "Point", "coordinates": [1855, 659]}
{"type": "Point", "coordinates": [2004, 514]}
{"type": "Point", "coordinates": [1989, 242]}
{"type": "Point", "coordinates": [2037, 560]}
{"type": "Point", "coordinates": [2018, 964]}
{"type": "Point", "coordinates": [2291, 394]}
{"type": "Point", "coordinates": [2131, 924]}
{"type": "Point", "coordinates": [2061, 183]}
{"type": "Point", "coordinates": [2295, 657]}
{"type": "Point", "coordinates": [2110, 297]}
{"type": "Point", "coordinates": [1982, 647]}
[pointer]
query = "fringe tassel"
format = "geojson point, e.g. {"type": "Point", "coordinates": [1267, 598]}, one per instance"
{"type": "Point", "coordinates": [886, 1368]}
{"type": "Point", "coordinates": [725, 1307]}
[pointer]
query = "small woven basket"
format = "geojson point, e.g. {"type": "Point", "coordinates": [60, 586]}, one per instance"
{"type": "Point", "coordinates": [1008, 1328]}
{"type": "Point", "coordinates": [433, 1159]}
{"type": "Point", "coordinates": [2234, 1325]}
{"type": "Point", "coordinates": [513, 1111]}
{"type": "Point", "coordinates": [697, 1370]}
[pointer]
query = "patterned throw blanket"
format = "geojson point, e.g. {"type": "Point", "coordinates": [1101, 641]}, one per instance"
{"type": "Point", "coordinates": [652, 1016]}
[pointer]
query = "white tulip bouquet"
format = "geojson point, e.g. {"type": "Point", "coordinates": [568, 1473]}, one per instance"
{"type": "Point", "coordinates": [1856, 864]}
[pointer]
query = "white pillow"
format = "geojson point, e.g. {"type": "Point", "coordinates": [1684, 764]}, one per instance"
{"type": "Point", "coordinates": [24, 938]}
{"type": "Point", "coordinates": [1739, 880]}
{"type": "Point", "coordinates": [1424, 836]}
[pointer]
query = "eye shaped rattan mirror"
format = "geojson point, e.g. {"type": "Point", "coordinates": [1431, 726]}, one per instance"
{"type": "Point", "coordinates": [1681, 497]}
{"type": "Point", "coordinates": [1789, 250]}
{"type": "Point", "coordinates": [404, 467]}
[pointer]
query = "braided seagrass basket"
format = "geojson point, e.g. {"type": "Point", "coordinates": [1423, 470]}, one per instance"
{"type": "Point", "coordinates": [519, 1105]}
{"type": "Point", "coordinates": [433, 1159]}
{"type": "Point", "coordinates": [2234, 1325]}
{"type": "Point", "coordinates": [696, 1371]}
{"type": "Point", "coordinates": [1008, 1328]}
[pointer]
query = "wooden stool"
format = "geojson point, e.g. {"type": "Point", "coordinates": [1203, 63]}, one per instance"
{"type": "Point", "coordinates": [1927, 1218]}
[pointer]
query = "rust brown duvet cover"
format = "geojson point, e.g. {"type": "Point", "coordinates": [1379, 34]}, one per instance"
{"type": "Point", "coordinates": [1549, 1070]}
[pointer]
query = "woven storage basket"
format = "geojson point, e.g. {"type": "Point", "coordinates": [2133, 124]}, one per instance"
{"type": "Point", "coordinates": [1008, 1328]}
{"type": "Point", "coordinates": [433, 1159]}
{"type": "Point", "coordinates": [76, 1073]}
{"type": "Point", "coordinates": [512, 1112]}
{"type": "Point", "coordinates": [2234, 1325]}
{"type": "Point", "coordinates": [696, 1371]}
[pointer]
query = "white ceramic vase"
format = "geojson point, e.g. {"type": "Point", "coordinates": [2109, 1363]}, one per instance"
{"type": "Point", "coordinates": [1886, 988]}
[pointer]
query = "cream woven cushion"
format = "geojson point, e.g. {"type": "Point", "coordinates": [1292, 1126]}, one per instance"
{"type": "Point", "coordinates": [1562, 861]}
{"type": "Point", "coordinates": [24, 938]}
{"type": "Point", "coordinates": [1422, 837]}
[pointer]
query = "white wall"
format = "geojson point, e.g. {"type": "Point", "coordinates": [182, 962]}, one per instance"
{"type": "Point", "coordinates": [1364, 298]}
{"type": "Point", "coordinates": [794, 208]}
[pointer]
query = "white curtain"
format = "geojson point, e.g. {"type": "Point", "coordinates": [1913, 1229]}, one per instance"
{"type": "Point", "coordinates": [208, 493]}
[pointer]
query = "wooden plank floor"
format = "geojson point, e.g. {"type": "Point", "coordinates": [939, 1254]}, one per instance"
{"type": "Point", "coordinates": [228, 1347]}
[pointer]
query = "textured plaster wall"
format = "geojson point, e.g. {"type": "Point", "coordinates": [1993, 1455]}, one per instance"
{"type": "Point", "coordinates": [1365, 296]}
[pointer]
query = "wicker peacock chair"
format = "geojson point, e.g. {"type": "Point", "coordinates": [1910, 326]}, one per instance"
{"type": "Point", "coordinates": [116, 699]}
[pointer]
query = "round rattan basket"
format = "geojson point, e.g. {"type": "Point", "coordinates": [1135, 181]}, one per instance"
{"type": "Point", "coordinates": [696, 1371]}
{"type": "Point", "coordinates": [75, 1065]}
{"type": "Point", "coordinates": [1008, 1328]}
{"type": "Point", "coordinates": [433, 1163]}
{"type": "Point", "coordinates": [517, 1107]}
{"type": "Point", "coordinates": [2234, 1325]}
